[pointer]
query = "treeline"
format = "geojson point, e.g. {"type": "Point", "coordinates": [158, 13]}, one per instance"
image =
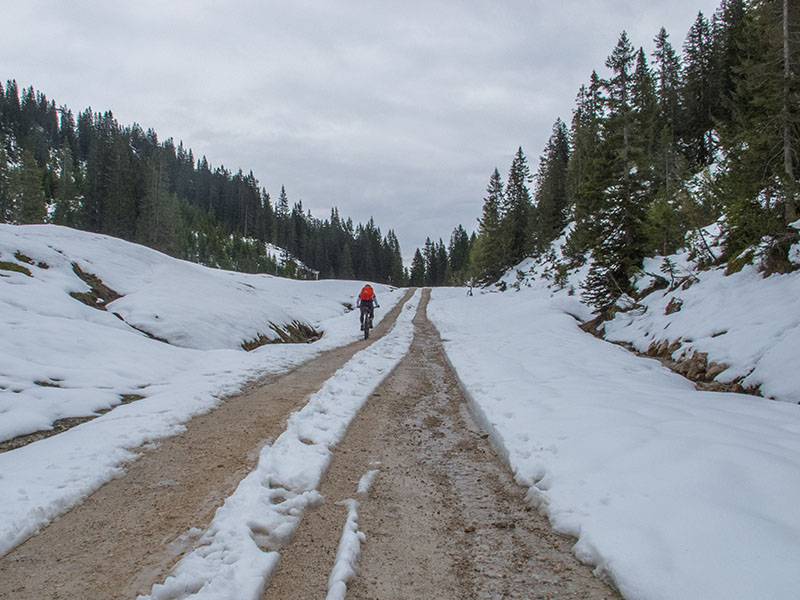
{"type": "Point", "coordinates": [663, 145]}
{"type": "Point", "coordinates": [94, 174]}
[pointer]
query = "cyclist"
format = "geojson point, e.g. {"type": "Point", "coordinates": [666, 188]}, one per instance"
{"type": "Point", "coordinates": [367, 302]}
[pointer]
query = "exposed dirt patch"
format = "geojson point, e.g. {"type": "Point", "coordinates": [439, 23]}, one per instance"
{"type": "Point", "coordinates": [126, 536]}
{"type": "Point", "coordinates": [291, 333]}
{"type": "Point", "coordinates": [695, 367]}
{"type": "Point", "coordinates": [444, 518]}
{"type": "Point", "coordinates": [10, 266]}
{"type": "Point", "coordinates": [59, 425]}
{"type": "Point", "coordinates": [99, 294]}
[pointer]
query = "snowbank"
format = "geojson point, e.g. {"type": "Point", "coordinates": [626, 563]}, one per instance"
{"type": "Point", "coordinates": [744, 320]}
{"type": "Point", "coordinates": [60, 358]}
{"type": "Point", "coordinates": [671, 492]}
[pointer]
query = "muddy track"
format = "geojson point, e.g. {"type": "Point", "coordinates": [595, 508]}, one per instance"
{"type": "Point", "coordinates": [443, 518]}
{"type": "Point", "coordinates": [125, 537]}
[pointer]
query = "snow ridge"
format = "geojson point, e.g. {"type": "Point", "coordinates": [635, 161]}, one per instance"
{"type": "Point", "coordinates": [346, 563]}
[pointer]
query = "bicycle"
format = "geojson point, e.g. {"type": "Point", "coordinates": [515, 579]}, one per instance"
{"type": "Point", "coordinates": [366, 320]}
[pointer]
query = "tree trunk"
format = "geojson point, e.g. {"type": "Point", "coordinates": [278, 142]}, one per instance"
{"type": "Point", "coordinates": [789, 186]}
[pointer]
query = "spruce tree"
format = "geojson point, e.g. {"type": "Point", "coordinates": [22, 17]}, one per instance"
{"type": "Point", "coordinates": [396, 273]}
{"type": "Point", "coordinates": [346, 270]}
{"type": "Point", "coordinates": [29, 198]}
{"type": "Point", "coordinates": [67, 195]}
{"type": "Point", "coordinates": [761, 179]}
{"type": "Point", "coordinates": [587, 173]}
{"type": "Point", "coordinates": [515, 216]}
{"type": "Point", "coordinates": [669, 163]}
{"type": "Point", "coordinates": [6, 201]}
{"type": "Point", "coordinates": [550, 196]}
{"type": "Point", "coordinates": [458, 253]}
{"type": "Point", "coordinates": [491, 257]}
{"type": "Point", "coordinates": [158, 222]}
{"type": "Point", "coordinates": [699, 93]}
{"type": "Point", "coordinates": [619, 225]}
{"type": "Point", "coordinates": [416, 277]}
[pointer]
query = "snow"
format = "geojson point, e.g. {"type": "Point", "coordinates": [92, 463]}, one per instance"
{"type": "Point", "coordinates": [744, 320]}
{"type": "Point", "coordinates": [94, 358]}
{"type": "Point", "coordinates": [346, 564]}
{"type": "Point", "coordinates": [671, 492]}
{"type": "Point", "coordinates": [238, 552]}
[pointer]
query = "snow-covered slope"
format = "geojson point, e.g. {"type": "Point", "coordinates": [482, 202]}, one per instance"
{"type": "Point", "coordinates": [60, 358]}
{"type": "Point", "coordinates": [745, 321]}
{"type": "Point", "coordinates": [673, 493]}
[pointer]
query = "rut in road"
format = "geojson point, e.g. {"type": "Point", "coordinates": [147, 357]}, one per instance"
{"type": "Point", "coordinates": [443, 518]}
{"type": "Point", "coordinates": [127, 535]}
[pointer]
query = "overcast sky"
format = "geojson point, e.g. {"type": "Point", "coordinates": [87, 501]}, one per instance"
{"type": "Point", "coordinates": [398, 110]}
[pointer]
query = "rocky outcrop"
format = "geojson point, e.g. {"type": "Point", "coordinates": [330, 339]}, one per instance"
{"type": "Point", "coordinates": [696, 367]}
{"type": "Point", "coordinates": [674, 305]}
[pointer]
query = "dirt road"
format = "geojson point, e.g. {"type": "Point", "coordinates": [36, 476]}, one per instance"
{"type": "Point", "coordinates": [124, 537]}
{"type": "Point", "coordinates": [443, 518]}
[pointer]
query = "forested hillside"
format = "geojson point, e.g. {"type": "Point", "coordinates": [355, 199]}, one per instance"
{"type": "Point", "coordinates": [659, 146]}
{"type": "Point", "coordinates": [93, 173]}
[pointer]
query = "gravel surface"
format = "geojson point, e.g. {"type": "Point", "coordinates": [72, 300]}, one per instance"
{"type": "Point", "coordinates": [125, 537]}
{"type": "Point", "coordinates": [443, 518]}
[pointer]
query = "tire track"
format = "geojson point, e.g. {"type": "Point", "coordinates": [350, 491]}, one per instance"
{"type": "Point", "coordinates": [127, 535]}
{"type": "Point", "coordinates": [444, 517]}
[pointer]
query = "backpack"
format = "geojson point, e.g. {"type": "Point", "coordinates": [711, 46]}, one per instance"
{"type": "Point", "coordinates": [366, 293]}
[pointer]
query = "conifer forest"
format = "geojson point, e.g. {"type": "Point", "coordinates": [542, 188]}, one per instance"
{"type": "Point", "coordinates": [97, 175]}
{"type": "Point", "coordinates": [658, 145]}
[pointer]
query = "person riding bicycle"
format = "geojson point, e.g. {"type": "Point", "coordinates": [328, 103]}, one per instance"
{"type": "Point", "coordinates": [367, 302]}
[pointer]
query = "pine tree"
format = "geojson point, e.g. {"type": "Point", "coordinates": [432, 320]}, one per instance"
{"type": "Point", "coordinates": [765, 127]}
{"type": "Point", "coordinates": [492, 252]}
{"type": "Point", "coordinates": [416, 277]}
{"type": "Point", "coordinates": [515, 216]}
{"type": "Point", "coordinates": [6, 200]}
{"type": "Point", "coordinates": [551, 188]}
{"type": "Point", "coordinates": [30, 204]}
{"type": "Point", "coordinates": [459, 249]}
{"type": "Point", "coordinates": [67, 195]}
{"type": "Point", "coordinates": [699, 93]}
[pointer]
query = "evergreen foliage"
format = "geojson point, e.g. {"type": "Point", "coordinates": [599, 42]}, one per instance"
{"type": "Point", "coordinates": [661, 147]}
{"type": "Point", "coordinates": [94, 174]}
{"type": "Point", "coordinates": [550, 196]}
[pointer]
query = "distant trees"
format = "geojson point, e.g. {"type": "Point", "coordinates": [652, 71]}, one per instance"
{"type": "Point", "coordinates": [93, 173]}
